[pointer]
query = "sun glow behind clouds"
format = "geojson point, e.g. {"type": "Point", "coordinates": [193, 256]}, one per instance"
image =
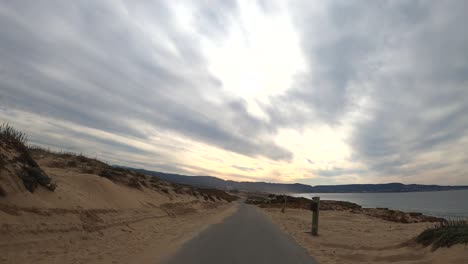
{"type": "Point", "coordinates": [259, 57]}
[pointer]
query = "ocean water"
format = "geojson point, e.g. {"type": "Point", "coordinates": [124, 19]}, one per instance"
{"type": "Point", "coordinates": [450, 204]}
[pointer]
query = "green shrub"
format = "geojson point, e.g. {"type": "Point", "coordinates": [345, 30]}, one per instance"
{"type": "Point", "coordinates": [445, 234]}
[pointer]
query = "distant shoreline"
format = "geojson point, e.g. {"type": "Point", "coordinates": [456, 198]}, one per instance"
{"type": "Point", "coordinates": [446, 204]}
{"type": "Point", "coordinates": [382, 192]}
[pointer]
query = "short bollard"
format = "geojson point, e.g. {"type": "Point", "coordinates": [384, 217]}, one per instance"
{"type": "Point", "coordinates": [315, 207]}
{"type": "Point", "coordinates": [284, 204]}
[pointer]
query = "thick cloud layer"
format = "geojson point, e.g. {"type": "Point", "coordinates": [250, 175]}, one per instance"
{"type": "Point", "coordinates": [400, 65]}
{"type": "Point", "coordinates": [109, 65]}
{"type": "Point", "coordinates": [393, 73]}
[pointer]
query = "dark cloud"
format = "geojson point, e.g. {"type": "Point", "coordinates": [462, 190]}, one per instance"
{"type": "Point", "coordinates": [246, 169]}
{"type": "Point", "coordinates": [342, 45]}
{"type": "Point", "coordinates": [336, 46]}
{"type": "Point", "coordinates": [214, 18]}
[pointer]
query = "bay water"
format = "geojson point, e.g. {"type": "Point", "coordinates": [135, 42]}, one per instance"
{"type": "Point", "coordinates": [449, 204]}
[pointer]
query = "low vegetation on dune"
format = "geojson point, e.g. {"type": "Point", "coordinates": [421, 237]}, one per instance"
{"type": "Point", "coordinates": [16, 140]}
{"type": "Point", "coordinates": [220, 194]}
{"type": "Point", "coordinates": [15, 159]}
{"type": "Point", "coordinates": [12, 136]}
{"type": "Point", "coordinates": [445, 234]}
{"type": "Point", "coordinates": [278, 201]}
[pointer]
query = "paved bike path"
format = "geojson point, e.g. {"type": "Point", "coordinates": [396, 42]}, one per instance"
{"type": "Point", "coordinates": [247, 236]}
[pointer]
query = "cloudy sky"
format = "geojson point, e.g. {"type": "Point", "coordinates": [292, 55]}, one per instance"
{"type": "Point", "coordinates": [317, 92]}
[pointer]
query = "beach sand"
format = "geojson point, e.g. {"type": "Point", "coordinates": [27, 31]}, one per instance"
{"type": "Point", "coordinates": [346, 237]}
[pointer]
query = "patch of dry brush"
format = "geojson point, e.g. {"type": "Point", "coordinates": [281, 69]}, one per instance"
{"type": "Point", "coordinates": [445, 234]}
{"type": "Point", "coordinates": [16, 163]}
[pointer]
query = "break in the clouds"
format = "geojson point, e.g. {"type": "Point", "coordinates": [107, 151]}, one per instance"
{"type": "Point", "coordinates": [309, 91]}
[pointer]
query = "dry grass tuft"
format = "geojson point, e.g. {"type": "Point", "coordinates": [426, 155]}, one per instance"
{"type": "Point", "coordinates": [11, 135]}
{"type": "Point", "coordinates": [445, 234]}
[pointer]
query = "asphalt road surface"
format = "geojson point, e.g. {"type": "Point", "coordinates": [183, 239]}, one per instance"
{"type": "Point", "coordinates": [247, 236]}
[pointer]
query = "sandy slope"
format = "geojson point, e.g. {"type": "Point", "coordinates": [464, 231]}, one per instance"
{"type": "Point", "coordinates": [101, 236]}
{"type": "Point", "coordinates": [92, 218]}
{"type": "Point", "coordinates": [346, 237]}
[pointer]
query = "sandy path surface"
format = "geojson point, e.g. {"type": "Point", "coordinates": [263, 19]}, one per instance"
{"type": "Point", "coordinates": [346, 237]}
{"type": "Point", "coordinates": [102, 236]}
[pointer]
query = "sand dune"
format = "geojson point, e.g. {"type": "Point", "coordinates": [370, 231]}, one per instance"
{"type": "Point", "coordinates": [97, 214]}
{"type": "Point", "coordinates": [346, 237]}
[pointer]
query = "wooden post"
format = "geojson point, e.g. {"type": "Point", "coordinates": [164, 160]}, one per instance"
{"type": "Point", "coordinates": [284, 205]}
{"type": "Point", "coordinates": [315, 215]}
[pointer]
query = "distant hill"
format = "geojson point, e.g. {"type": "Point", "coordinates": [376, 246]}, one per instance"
{"type": "Point", "coordinates": [213, 182]}
{"type": "Point", "coordinates": [387, 187]}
